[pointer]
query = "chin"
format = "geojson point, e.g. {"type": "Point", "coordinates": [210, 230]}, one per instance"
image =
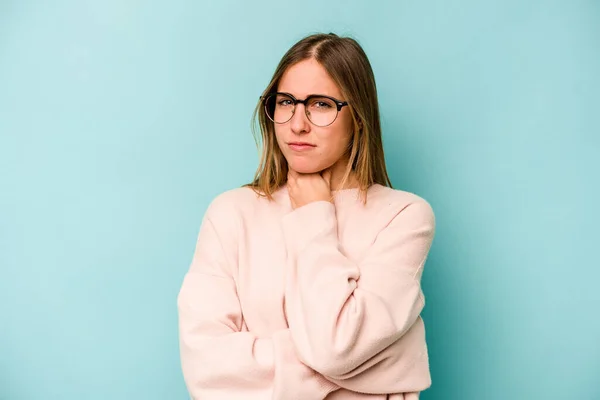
{"type": "Point", "coordinates": [306, 168]}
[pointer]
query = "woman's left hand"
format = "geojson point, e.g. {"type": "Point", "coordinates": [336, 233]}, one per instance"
{"type": "Point", "coordinates": [307, 188]}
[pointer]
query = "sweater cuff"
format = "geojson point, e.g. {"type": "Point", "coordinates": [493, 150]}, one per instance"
{"type": "Point", "coordinates": [307, 222]}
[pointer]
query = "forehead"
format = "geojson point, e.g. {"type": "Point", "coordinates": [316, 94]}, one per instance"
{"type": "Point", "coordinates": [308, 77]}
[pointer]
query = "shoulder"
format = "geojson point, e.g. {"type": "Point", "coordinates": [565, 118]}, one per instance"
{"type": "Point", "coordinates": [225, 212]}
{"type": "Point", "coordinates": [231, 203]}
{"type": "Point", "coordinates": [401, 204]}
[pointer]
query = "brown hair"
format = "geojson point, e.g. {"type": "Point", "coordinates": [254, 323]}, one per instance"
{"type": "Point", "coordinates": [347, 64]}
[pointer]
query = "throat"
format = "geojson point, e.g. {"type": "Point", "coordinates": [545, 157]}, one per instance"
{"type": "Point", "coordinates": [338, 183]}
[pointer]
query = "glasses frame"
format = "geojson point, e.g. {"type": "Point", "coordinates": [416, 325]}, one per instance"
{"type": "Point", "coordinates": [339, 105]}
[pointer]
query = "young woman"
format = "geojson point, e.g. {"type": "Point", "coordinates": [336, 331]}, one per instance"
{"type": "Point", "coordinates": [305, 283]}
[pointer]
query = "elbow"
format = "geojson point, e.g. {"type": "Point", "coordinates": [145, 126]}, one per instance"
{"type": "Point", "coordinates": [329, 362]}
{"type": "Point", "coordinates": [200, 376]}
{"type": "Point", "coordinates": [195, 380]}
{"type": "Point", "coordinates": [195, 374]}
{"type": "Point", "coordinates": [332, 369]}
{"type": "Point", "coordinates": [201, 366]}
{"type": "Point", "coordinates": [334, 366]}
{"type": "Point", "coordinates": [342, 359]}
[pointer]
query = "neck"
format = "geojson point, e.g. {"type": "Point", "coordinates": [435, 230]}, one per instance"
{"type": "Point", "coordinates": [337, 175]}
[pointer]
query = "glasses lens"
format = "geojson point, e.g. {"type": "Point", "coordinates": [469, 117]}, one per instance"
{"type": "Point", "coordinates": [279, 108]}
{"type": "Point", "coordinates": [321, 111]}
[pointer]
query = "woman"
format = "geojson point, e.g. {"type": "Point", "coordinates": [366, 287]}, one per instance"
{"type": "Point", "coordinates": [305, 284]}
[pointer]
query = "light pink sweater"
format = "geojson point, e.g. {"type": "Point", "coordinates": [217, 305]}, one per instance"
{"type": "Point", "coordinates": [321, 302]}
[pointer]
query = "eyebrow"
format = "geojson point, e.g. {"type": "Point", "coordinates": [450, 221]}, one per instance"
{"type": "Point", "coordinates": [308, 95]}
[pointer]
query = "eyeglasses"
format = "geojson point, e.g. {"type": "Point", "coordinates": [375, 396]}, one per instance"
{"type": "Point", "coordinates": [321, 110]}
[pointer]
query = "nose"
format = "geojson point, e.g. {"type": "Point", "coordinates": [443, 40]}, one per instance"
{"type": "Point", "coordinates": [299, 123]}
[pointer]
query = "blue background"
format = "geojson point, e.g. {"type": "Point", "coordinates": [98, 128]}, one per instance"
{"type": "Point", "coordinates": [120, 120]}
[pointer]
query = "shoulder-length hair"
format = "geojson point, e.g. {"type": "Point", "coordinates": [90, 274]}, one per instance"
{"type": "Point", "coordinates": [347, 64]}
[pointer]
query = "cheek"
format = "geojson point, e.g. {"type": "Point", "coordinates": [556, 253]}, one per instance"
{"type": "Point", "coordinates": [337, 141]}
{"type": "Point", "coordinates": [278, 135]}
{"type": "Point", "coordinates": [280, 139]}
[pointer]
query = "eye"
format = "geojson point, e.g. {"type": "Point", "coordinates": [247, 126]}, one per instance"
{"type": "Point", "coordinates": [322, 104]}
{"type": "Point", "coordinates": [284, 102]}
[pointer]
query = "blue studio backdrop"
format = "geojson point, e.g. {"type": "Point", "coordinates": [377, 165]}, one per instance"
{"type": "Point", "coordinates": [120, 120]}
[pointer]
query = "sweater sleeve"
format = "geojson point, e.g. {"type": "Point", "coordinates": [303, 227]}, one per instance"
{"type": "Point", "coordinates": [220, 359]}
{"type": "Point", "coordinates": [359, 324]}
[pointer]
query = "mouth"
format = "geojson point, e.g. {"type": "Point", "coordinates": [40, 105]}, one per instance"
{"type": "Point", "coordinates": [301, 146]}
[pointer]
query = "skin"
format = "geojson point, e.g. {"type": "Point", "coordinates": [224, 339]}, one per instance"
{"type": "Point", "coordinates": [315, 172]}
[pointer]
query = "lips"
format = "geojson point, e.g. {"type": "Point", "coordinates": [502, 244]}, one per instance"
{"type": "Point", "coordinates": [301, 146]}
